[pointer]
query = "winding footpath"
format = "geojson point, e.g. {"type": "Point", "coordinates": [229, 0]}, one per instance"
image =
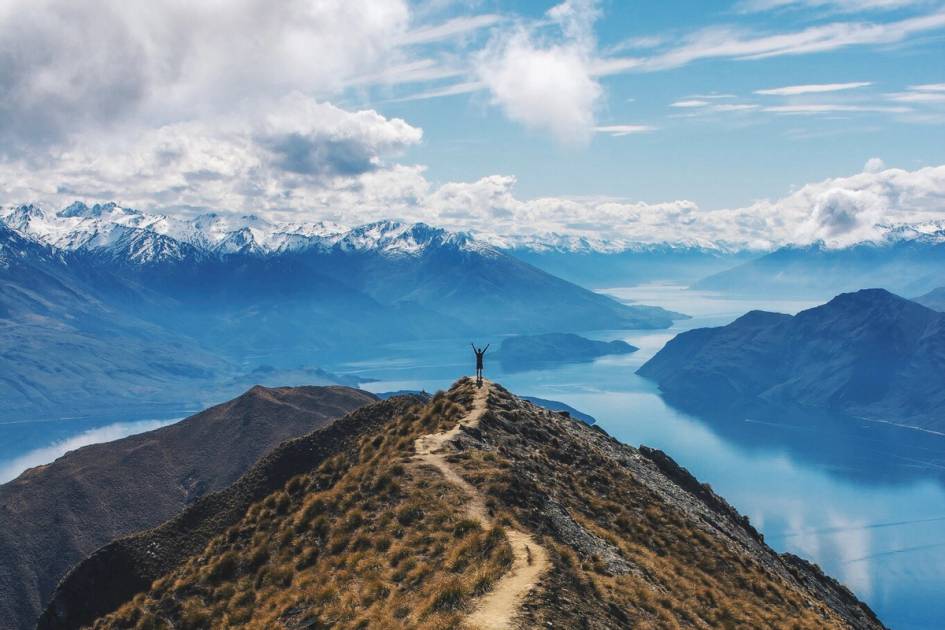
{"type": "Point", "coordinates": [496, 609]}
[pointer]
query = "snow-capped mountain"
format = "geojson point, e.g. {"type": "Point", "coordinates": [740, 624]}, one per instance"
{"type": "Point", "coordinates": [127, 234]}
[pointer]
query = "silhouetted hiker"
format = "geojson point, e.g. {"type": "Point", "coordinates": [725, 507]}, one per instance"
{"type": "Point", "coordinates": [480, 352]}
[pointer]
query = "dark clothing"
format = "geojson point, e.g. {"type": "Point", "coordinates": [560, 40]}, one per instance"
{"type": "Point", "coordinates": [480, 353]}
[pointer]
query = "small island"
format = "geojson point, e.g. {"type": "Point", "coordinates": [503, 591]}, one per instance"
{"type": "Point", "coordinates": [525, 352]}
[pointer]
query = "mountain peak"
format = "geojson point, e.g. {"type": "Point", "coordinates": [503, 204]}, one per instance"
{"type": "Point", "coordinates": [872, 301]}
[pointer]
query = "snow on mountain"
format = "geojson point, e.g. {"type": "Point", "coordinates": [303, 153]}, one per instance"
{"type": "Point", "coordinates": [577, 244]}
{"type": "Point", "coordinates": [395, 238]}
{"type": "Point", "coordinates": [112, 231]}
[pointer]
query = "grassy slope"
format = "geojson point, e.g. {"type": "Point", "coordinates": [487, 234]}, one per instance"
{"type": "Point", "coordinates": [368, 538]}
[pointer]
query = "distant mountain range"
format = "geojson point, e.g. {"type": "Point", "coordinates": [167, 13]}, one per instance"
{"type": "Point", "coordinates": [55, 515]}
{"type": "Point", "coordinates": [906, 261]}
{"type": "Point", "coordinates": [638, 264]}
{"type": "Point", "coordinates": [934, 299]}
{"type": "Point", "coordinates": [104, 302]}
{"type": "Point", "coordinates": [869, 353]}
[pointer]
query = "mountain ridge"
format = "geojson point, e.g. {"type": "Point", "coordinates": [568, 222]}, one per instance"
{"type": "Point", "coordinates": [637, 541]}
{"type": "Point", "coordinates": [54, 515]}
{"type": "Point", "coordinates": [869, 353]}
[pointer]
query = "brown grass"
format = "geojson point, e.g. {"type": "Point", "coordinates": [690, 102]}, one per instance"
{"type": "Point", "coordinates": [365, 540]}
{"type": "Point", "coordinates": [371, 540]}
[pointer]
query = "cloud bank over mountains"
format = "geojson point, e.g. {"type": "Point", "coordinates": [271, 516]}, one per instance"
{"type": "Point", "coordinates": [867, 206]}
{"type": "Point", "coordinates": [185, 107]}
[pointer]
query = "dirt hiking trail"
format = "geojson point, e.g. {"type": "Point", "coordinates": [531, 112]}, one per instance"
{"type": "Point", "coordinates": [496, 609]}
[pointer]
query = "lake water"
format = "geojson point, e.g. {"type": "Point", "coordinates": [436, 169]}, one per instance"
{"type": "Point", "coordinates": [865, 501]}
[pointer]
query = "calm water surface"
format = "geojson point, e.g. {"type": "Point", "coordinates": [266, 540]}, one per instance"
{"type": "Point", "coordinates": [864, 501]}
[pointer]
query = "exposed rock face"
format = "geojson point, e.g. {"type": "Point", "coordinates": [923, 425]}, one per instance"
{"type": "Point", "coordinates": [869, 353]}
{"type": "Point", "coordinates": [346, 528]}
{"type": "Point", "coordinates": [53, 516]}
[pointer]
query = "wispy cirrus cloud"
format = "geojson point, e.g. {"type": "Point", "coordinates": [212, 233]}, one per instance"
{"type": "Point", "coordinates": [840, 6]}
{"type": "Point", "coordinates": [726, 42]}
{"type": "Point", "coordinates": [623, 130]}
{"type": "Point", "coordinates": [451, 28]}
{"type": "Point", "coordinates": [689, 103]}
{"type": "Point", "coordinates": [833, 108]}
{"type": "Point", "coordinates": [814, 88]}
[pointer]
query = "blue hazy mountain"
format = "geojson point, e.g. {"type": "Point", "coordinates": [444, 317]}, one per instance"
{"type": "Point", "coordinates": [610, 266]}
{"type": "Point", "coordinates": [934, 299]}
{"type": "Point", "coordinates": [525, 352]}
{"type": "Point", "coordinates": [105, 303]}
{"type": "Point", "coordinates": [63, 347]}
{"type": "Point", "coordinates": [869, 353]}
{"type": "Point", "coordinates": [905, 264]}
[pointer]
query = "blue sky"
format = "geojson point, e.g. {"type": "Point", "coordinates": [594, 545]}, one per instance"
{"type": "Point", "coordinates": [753, 122]}
{"type": "Point", "coordinates": [717, 159]}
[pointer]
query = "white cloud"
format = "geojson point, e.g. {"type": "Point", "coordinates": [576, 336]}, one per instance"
{"type": "Point", "coordinates": [67, 66]}
{"type": "Point", "coordinates": [844, 6]}
{"type": "Point", "coordinates": [833, 108]}
{"type": "Point", "coordinates": [874, 165]}
{"type": "Point", "coordinates": [917, 97]}
{"type": "Point", "coordinates": [623, 130]}
{"type": "Point", "coordinates": [298, 147]}
{"type": "Point", "coordinates": [545, 82]}
{"type": "Point", "coordinates": [690, 103]}
{"type": "Point", "coordinates": [735, 107]}
{"type": "Point", "coordinates": [929, 87]}
{"type": "Point", "coordinates": [817, 88]}
{"type": "Point", "coordinates": [464, 87]}
{"type": "Point", "coordinates": [197, 173]}
{"type": "Point", "coordinates": [722, 42]}
{"type": "Point", "coordinates": [449, 29]}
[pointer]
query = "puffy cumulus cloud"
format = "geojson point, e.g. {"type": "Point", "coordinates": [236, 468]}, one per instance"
{"type": "Point", "coordinates": [545, 80]}
{"type": "Point", "coordinates": [300, 150]}
{"type": "Point", "coordinates": [191, 168]}
{"type": "Point", "coordinates": [846, 210]}
{"type": "Point", "coordinates": [838, 212]}
{"type": "Point", "coordinates": [66, 65]}
{"type": "Point", "coordinates": [311, 138]}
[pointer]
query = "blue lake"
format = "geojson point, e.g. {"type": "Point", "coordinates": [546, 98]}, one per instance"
{"type": "Point", "coordinates": [865, 501]}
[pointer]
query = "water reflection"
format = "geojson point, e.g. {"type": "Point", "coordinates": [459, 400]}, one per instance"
{"type": "Point", "coordinates": [865, 501]}
{"type": "Point", "coordinates": [847, 447]}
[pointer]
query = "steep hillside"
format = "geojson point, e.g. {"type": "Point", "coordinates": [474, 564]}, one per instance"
{"type": "Point", "coordinates": [53, 516]}
{"type": "Point", "coordinates": [474, 509]}
{"type": "Point", "coordinates": [867, 353]}
{"type": "Point", "coordinates": [62, 346]}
